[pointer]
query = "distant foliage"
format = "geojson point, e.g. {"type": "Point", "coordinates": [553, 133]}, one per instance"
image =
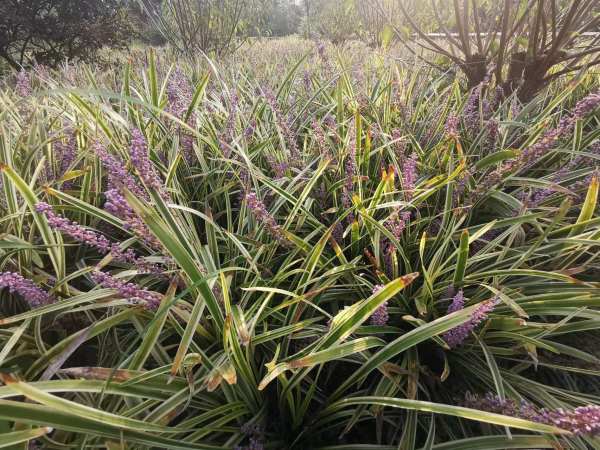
{"type": "Point", "coordinates": [334, 20]}
{"type": "Point", "coordinates": [49, 31]}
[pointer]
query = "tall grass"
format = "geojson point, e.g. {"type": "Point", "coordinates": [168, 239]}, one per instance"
{"type": "Point", "coordinates": [294, 227]}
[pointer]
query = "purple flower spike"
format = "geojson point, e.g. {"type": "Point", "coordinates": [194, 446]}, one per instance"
{"type": "Point", "coordinates": [65, 153]}
{"type": "Point", "coordinates": [351, 172]}
{"type": "Point", "coordinates": [23, 85]}
{"type": "Point", "coordinates": [495, 404]}
{"type": "Point", "coordinates": [458, 302]}
{"type": "Point", "coordinates": [93, 239]}
{"type": "Point", "coordinates": [117, 205]}
{"type": "Point", "coordinates": [380, 316]}
{"type": "Point", "coordinates": [179, 94]}
{"type": "Point", "coordinates": [456, 336]}
{"type": "Point", "coordinates": [351, 168]}
{"type": "Point", "coordinates": [586, 106]}
{"type": "Point", "coordinates": [31, 293]}
{"type": "Point", "coordinates": [338, 233]}
{"type": "Point", "coordinates": [409, 175]}
{"type": "Point", "coordinates": [259, 210]}
{"type": "Point", "coordinates": [533, 153]}
{"type": "Point", "coordinates": [76, 231]}
{"type": "Point", "coordinates": [187, 147]}
{"type": "Point", "coordinates": [397, 223]}
{"type": "Point", "coordinates": [451, 127]}
{"type": "Point", "coordinates": [288, 134]}
{"type": "Point", "coordinates": [584, 420]}
{"type": "Point", "coordinates": [129, 291]}
{"type": "Point", "coordinates": [117, 173]}
{"type": "Point", "coordinates": [321, 141]}
{"type": "Point", "coordinates": [138, 152]}
{"type": "Point", "coordinates": [179, 98]}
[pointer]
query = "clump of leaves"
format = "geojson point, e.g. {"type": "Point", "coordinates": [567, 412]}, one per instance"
{"type": "Point", "coordinates": [327, 256]}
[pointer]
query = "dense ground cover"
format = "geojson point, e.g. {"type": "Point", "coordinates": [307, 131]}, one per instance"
{"type": "Point", "coordinates": [297, 247]}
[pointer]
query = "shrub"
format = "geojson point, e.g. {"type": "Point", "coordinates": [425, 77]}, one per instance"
{"type": "Point", "coordinates": [50, 31]}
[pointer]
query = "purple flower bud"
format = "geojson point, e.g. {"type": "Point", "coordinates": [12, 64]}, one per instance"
{"type": "Point", "coordinates": [255, 437]}
{"type": "Point", "coordinates": [31, 293]}
{"type": "Point", "coordinates": [458, 302]}
{"type": "Point", "coordinates": [380, 316]}
{"type": "Point", "coordinates": [493, 129]}
{"type": "Point", "coordinates": [330, 122]}
{"type": "Point", "coordinates": [456, 336]}
{"type": "Point", "coordinates": [351, 171]}
{"type": "Point", "coordinates": [280, 168]}
{"type": "Point", "coordinates": [128, 291]}
{"type": "Point", "coordinates": [306, 80]}
{"type": "Point", "coordinates": [321, 50]}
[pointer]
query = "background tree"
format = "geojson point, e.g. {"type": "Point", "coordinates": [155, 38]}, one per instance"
{"type": "Point", "coordinates": [142, 23]}
{"type": "Point", "coordinates": [528, 42]}
{"type": "Point", "coordinates": [376, 18]}
{"type": "Point", "coordinates": [307, 16]}
{"type": "Point", "coordinates": [194, 26]}
{"type": "Point", "coordinates": [273, 17]}
{"type": "Point", "coordinates": [333, 20]}
{"type": "Point", "coordinates": [48, 31]}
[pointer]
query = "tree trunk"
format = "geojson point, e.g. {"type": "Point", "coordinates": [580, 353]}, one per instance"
{"type": "Point", "coordinates": [475, 69]}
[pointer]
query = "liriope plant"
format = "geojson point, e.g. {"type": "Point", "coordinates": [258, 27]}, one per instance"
{"type": "Point", "coordinates": [348, 253]}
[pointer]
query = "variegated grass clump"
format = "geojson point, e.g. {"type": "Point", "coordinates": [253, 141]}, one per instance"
{"type": "Point", "coordinates": [300, 247]}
